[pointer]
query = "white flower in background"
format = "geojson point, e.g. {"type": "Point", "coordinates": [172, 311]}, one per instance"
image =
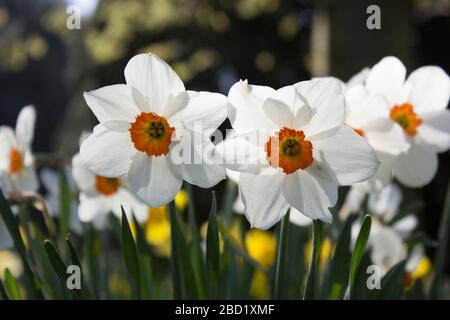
{"type": "Point", "coordinates": [50, 181]}
{"type": "Point", "coordinates": [101, 195]}
{"type": "Point", "coordinates": [16, 157]}
{"type": "Point", "coordinates": [383, 207]}
{"type": "Point", "coordinates": [418, 105]}
{"type": "Point", "coordinates": [368, 115]}
{"type": "Point", "coordinates": [303, 150]}
{"type": "Point", "coordinates": [141, 123]}
{"type": "Point", "coordinates": [388, 233]}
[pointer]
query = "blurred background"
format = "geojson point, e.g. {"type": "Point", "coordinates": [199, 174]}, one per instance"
{"type": "Point", "coordinates": [211, 44]}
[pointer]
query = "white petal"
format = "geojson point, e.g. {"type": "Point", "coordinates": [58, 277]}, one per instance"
{"type": "Point", "coordinates": [155, 180]}
{"type": "Point", "coordinates": [386, 202]}
{"type": "Point", "coordinates": [154, 79]}
{"type": "Point", "coordinates": [26, 180]}
{"type": "Point", "coordinates": [325, 96]}
{"type": "Point", "coordinates": [245, 109]}
{"type": "Point", "coordinates": [384, 135]}
{"type": "Point", "coordinates": [108, 153]}
{"type": "Point", "coordinates": [364, 109]}
{"type": "Point", "coordinates": [310, 194]}
{"type": "Point", "coordinates": [405, 226]}
{"type": "Point", "coordinates": [387, 248]}
{"type": "Point", "coordinates": [25, 126]}
{"type": "Point", "coordinates": [383, 177]}
{"type": "Point", "coordinates": [435, 130]}
{"type": "Point", "coordinates": [84, 179]}
{"type": "Point", "coordinates": [245, 152]}
{"type": "Point", "coordinates": [348, 155]}
{"type": "Point", "coordinates": [113, 103]}
{"type": "Point", "coordinates": [5, 183]}
{"type": "Point", "coordinates": [298, 218]}
{"type": "Point", "coordinates": [263, 198]}
{"type": "Point", "coordinates": [91, 208]}
{"type": "Point", "coordinates": [207, 173]}
{"type": "Point", "coordinates": [7, 142]}
{"type": "Point", "coordinates": [238, 205]}
{"type": "Point", "coordinates": [233, 175]}
{"type": "Point", "coordinates": [6, 241]}
{"type": "Point", "coordinates": [429, 89]}
{"type": "Point", "coordinates": [354, 198]}
{"type": "Point", "coordinates": [176, 103]}
{"type": "Point", "coordinates": [417, 254]}
{"type": "Point", "coordinates": [279, 112]}
{"type": "Point", "coordinates": [205, 112]}
{"type": "Point", "coordinates": [416, 167]}
{"type": "Point", "coordinates": [387, 78]}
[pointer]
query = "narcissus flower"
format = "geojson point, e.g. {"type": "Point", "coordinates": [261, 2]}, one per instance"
{"type": "Point", "coordinates": [141, 124]}
{"type": "Point", "coordinates": [16, 157]}
{"type": "Point", "coordinates": [418, 105]}
{"type": "Point", "coordinates": [293, 149]}
{"type": "Point", "coordinates": [101, 195]}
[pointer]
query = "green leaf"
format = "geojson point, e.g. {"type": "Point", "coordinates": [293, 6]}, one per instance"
{"type": "Point", "coordinates": [64, 203]}
{"type": "Point", "coordinates": [3, 293]}
{"type": "Point", "coordinates": [183, 280]}
{"type": "Point", "coordinates": [59, 267]}
{"type": "Point", "coordinates": [13, 229]}
{"type": "Point", "coordinates": [280, 268]}
{"type": "Point", "coordinates": [441, 251]}
{"type": "Point", "coordinates": [11, 285]}
{"type": "Point", "coordinates": [73, 253]}
{"type": "Point", "coordinates": [213, 248]}
{"type": "Point", "coordinates": [391, 284]}
{"type": "Point", "coordinates": [341, 261]}
{"type": "Point", "coordinates": [198, 265]}
{"type": "Point", "coordinates": [360, 245]}
{"type": "Point", "coordinates": [145, 261]}
{"type": "Point", "coordinates": [311, 283]}
{"type": "Point", "coordinates": [130, 254]}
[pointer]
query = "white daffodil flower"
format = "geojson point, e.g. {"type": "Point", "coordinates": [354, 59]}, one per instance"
{"type": "Point", "coordinates": [50, 181]}
{"type": "Point", "coordinates": [388, 234]}
{"type": "Point", "coordinates": [292, 149]}
{"type": "Point", "coordinates": [383, 206]}
{"type": "Point", "coordinates": [418, 105]}
{"type": "Point", "coordinates": [143, 121]}
{"type": "Point", "coordinates": [101, 195]}
{"type": "Point", "coordinates": [16, 157]}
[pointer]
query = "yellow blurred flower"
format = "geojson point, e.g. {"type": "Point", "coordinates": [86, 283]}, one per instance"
{"type": "Point", "coordinates": [325, 251]}
{"type": "Point", "coordinates": [423, 269]}
{"type": "Point", "coordinates": [157, 227]}
{"type": "Point", "coordinates": [260, 286]}
{"type": "Point", "coordinates": [10, 260]}
{"type": "Point", "coordinates": [261, 246]}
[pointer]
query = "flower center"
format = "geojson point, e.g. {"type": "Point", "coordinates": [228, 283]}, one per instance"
{"type": "Point", "coordinates": [289, 150]}
{"type": "Point", "coordinates": [405, 116]}
{"type": "Point", "coordinates": [107, 186]}
{"type": "Point", "coordinates": [151, 134]}
{"type": "Point", "coordinates": [15, 161]}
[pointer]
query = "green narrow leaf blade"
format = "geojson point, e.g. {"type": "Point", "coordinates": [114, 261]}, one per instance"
{"type": "Point", "coordinates": [213, 248]}
{"type": "Point", "coordinates": [11, 285]}
{"type": "Point", "coordinates": [360, 245]}
{"type": "Point", "coordinates": [310, 288]}
{"type": "Point", "coordinates": [3, 293]}
{"type": "Point", "coordinates": [59, 267]}
{"type": "Point", "coordinates": [13, 229]}
{"type": "Point", "coordinates": [130, 254]}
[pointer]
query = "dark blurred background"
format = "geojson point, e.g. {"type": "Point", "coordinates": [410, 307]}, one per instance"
{"type": "Point", "coordinates": [211, 44]}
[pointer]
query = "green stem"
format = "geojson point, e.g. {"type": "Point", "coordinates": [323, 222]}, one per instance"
{"type": "Point", "coordinates": [280, 270]}
{"type": "Point", "coordinates": [439, 260]}
{"type": "Point", "coordinates": [310, 288]}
